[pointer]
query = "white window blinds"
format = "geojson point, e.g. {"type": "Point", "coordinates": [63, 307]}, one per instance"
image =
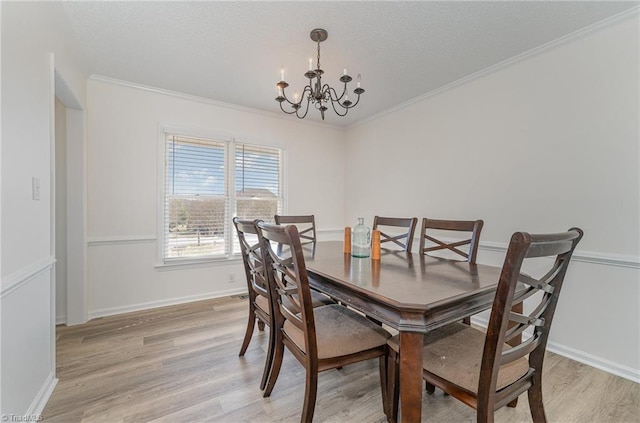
{"type": "Point", "coordinates": [196, 198]}
{"type": "Point", "coordinates": [199, 201]}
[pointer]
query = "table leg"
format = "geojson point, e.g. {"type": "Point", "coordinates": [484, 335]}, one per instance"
{"type": "Point", "coordinates": [411, 376]}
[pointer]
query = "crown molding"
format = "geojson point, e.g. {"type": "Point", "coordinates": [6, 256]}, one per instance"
{"type": "Point", "coordinates": [208, 101]}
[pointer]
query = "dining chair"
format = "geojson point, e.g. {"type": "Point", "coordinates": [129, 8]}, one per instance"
{"type": "Point", "coordinates": [430, 242]}
{"type": "Point", "coordinates": [260, 304]}
{"type": "Point", "coordinates": [321, 338]}
{"type": "Point", "coordinates": [306, 225]}
{"type": "Point", "coordinates": [403, 240]}
{"type": "Point", "coordinates": [482, 369]}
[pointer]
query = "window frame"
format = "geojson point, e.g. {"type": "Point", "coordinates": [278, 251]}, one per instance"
{"type": "Point", "coordinates": [231, 143]}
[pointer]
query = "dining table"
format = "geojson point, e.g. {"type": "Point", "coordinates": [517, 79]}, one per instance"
{"type": "Point", "coordinates": [411, 293]}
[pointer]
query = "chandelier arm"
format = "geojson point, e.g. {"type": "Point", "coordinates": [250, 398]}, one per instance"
{"type": "Point", "coordinates": [337, 99]}
{"type": "Point", "coordinates": [333, 105]}
{"type": "Point", "coordinates": [346, 109]}
{"type": "Point", "coordinates": [350, 106]}
{"type": "Point", "coordinates": [306, 88]}
{"type": "Point", "coordinates": [305, 111]}
{"type": "Point", "coordinates": [356, 102]}
{"type": "Point", "coordinates": [282, 108]}
{"type": "Point", "coordinates": [326, 89]}
{"type": "Point", "coordinates": [344, 91]}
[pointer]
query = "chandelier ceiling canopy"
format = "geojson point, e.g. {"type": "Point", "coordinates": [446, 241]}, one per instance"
{"type": "Point", "coordinates": [315, 92]}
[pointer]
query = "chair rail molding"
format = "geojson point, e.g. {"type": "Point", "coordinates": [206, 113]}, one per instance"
{"type": "Point", "coordinates": [594, 257]}
{"type": "Point", "coordinates": [120, 239]}
{"type": "Point", "coordinates": [17, 279]}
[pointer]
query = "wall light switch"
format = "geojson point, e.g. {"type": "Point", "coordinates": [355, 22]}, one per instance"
{"type": "Point", "coordinates": [35, 188]}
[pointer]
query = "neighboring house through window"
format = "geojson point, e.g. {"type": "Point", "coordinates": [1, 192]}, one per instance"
{"type": "Point", "coordinates": [203, 189]}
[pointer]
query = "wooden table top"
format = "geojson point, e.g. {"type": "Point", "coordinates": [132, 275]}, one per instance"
{"type": "Point", "coordinates": [405, 280]}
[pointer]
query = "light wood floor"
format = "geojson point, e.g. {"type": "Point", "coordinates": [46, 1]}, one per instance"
{"type": "Point", "coordinates": [181, 364]}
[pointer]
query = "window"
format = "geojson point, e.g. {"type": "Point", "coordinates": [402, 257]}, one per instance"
{"type": "Point", "coordinates": [199, 203]}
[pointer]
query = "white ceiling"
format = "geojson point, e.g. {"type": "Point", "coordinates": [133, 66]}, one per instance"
{"type": "Point", "coordinates": [233, 51]}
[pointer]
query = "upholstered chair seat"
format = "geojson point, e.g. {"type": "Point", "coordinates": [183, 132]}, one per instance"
{"type": "Point", "coordinates": [339, 332]}
{"type": "Point", "coordinates": [454, 353]}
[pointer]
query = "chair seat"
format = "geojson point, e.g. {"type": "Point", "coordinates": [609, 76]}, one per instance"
{"type": "Point", "coordinates": [454, 353]}
{"type": "Point", "coordinates": [317, 299]}
{"type": "Point", "coordinates": [339, 332]}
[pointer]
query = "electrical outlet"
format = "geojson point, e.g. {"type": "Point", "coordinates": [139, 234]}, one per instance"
{"type": "Point", "coordinates": [232, 278]}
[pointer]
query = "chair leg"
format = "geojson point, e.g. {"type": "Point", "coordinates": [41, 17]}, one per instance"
{"type": "Point", "coordinates": [535, 401]}
{"type": "Point", "coordinates": [310, 393]}
{"type": "Point", "coordinates": [268, 364]}
{"type": "Point", "coordinates": [384, 384]}
{"type": "Point", "coordinates": [249, 332]}
{"type": "Point", "coordinates": [393, 386]}
{"type": "Point", "coordinates": [429, 387]}
{"type": "Point", "coordinates": [485, 413]}
{"type": "Point", "coordinates": [275, 365]}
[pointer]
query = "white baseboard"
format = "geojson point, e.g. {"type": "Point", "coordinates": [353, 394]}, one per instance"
{"type": "Point", "coordinates": [61, 320]}
{"type": "Point", "coordinates": [43, 395]}
{"type": "Point", "coordinates": [580, 356]}
{"type": "Point", "coordinates": [593, 361]}
{"type": "Point", "coordinates": [163, 303]}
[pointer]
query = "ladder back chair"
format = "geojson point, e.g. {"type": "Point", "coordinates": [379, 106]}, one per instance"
{"type": "Point", "coordinates": [482, 369]}
{"type": "Point", "coordinates": [403, 240]}
{"type": "Point", "coordinates": [431, 225]}
{"type": "Point", "coordinates": [260, 305]}
{"type": "Point", "coordinates": [321, 338]}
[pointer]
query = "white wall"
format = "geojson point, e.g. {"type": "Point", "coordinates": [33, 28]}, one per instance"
{"type": "Point", "coordinates": [540, 145]}
{"type": "Point", "coordinates": [123, 125]}
{"type": "Point", "coordinates": [30, 33]}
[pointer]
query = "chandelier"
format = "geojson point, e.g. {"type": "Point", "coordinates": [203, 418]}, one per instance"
{"type": "Point", "coordinates": [315, 93]}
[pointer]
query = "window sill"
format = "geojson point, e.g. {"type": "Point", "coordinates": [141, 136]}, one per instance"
{"type": "Point", "coordinates": [198, 263]}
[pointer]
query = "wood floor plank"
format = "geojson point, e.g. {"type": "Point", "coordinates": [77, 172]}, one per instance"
{"type": "Point", "coordinates": [181, 364]}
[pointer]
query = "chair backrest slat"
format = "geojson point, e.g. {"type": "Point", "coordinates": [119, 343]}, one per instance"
{"type": "Point", "coordinates": [306, 225]}
{"type": "Point", "coordinates": [403, 240]}
{"type": "Point", "coordinates": [520, 350]}
{"type": "Point", "coordinates": [474, 227]}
